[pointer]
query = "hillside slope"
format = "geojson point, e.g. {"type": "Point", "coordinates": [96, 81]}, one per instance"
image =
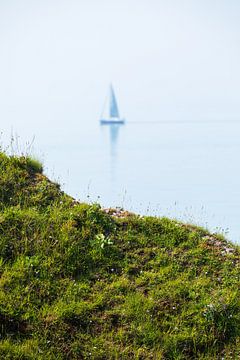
{"type": "Point", "coordinates": [78, 282]}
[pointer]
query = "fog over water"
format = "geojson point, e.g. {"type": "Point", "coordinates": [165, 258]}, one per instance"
{"type": "Point", "coordinates": [175, 68]}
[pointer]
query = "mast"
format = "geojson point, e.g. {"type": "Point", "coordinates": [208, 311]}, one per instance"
{"type": "Point", "coordinates": [113, 104]}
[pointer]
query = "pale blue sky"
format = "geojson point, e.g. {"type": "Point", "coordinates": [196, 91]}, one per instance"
{"type": "Point", "coordinates": [166, 58]}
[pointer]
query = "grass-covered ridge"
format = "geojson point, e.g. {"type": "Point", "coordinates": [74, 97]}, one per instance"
{"type": "Point", "coordinates": [78, 282]}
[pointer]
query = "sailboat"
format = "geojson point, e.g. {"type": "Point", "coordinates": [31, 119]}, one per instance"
{"type": "Point", "coordinates": [111, 113]}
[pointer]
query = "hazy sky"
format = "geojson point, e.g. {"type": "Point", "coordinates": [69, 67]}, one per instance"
{"type": "Point", "coordinates": [168, 59]}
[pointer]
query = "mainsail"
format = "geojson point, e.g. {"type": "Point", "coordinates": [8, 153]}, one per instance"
{"type": "Point", "coordinates": [114, 113]}
{"type": "Point", "coordinates": [110, 114]}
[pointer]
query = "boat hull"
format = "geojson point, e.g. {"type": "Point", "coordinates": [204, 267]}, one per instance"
{"type": "Point", "coordinates": [112, 121]}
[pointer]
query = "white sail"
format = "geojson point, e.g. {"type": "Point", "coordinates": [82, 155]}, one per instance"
{"type": "Point", "coordinates": [110, 113]}
{"type": "Point", "coordinates": [113, 111]}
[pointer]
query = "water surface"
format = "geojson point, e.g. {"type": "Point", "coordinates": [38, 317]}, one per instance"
{"type": "Point", "coordinates": [187, 170]}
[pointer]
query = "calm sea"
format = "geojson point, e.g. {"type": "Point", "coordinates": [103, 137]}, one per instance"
{"type": "Point", "coordinates": [185, 170]}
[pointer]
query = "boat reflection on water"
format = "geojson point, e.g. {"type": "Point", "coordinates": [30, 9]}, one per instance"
{"type": "Point", "coordinates": [114, 134]}
{"type": "Point", "coordinates": [114, 131]}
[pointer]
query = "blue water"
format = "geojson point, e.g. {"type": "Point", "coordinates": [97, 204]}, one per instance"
{"type": "Point", "coordinates": [187, 170]}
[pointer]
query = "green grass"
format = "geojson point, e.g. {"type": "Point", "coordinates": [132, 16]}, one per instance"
{"type": "Point", "coordinates": [78, 283]}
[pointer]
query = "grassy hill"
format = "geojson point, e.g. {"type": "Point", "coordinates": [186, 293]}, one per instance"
{"type": "Point", "coordinates": [78, 282]}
